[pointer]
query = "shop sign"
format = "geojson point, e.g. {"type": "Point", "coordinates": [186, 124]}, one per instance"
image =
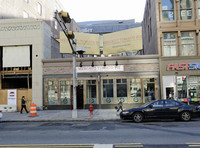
{"type": "Point", "coordinates": [89, 69]}
{"type": "Point", "coordinates": [184, 66]}
{"type": "Point", "coordinates": [12, 97]}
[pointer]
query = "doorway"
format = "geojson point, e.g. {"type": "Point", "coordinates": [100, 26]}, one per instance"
{"type": "Point", "coordinates": [79, 94]}
{"type": "Point", "coordinates": [170, 93]}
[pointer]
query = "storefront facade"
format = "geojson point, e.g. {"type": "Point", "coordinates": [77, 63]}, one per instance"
{"type": "Point", "coordinates": [180, 79]}
{"type": "Point", "coordinates": [134, 80]}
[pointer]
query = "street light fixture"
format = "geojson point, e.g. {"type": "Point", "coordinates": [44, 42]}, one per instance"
{"type": "Point", "coordinates": [63, 18]}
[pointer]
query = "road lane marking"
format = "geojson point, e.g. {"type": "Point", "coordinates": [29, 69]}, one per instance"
{"type": "Point", "coordinates": [103, 146]}
{"type": "Point", "coordinates": [133, 145]}
{"type": "Point", "coordinates": [193, 144]}
{"type": "Point", "coordinates": [49, 146]}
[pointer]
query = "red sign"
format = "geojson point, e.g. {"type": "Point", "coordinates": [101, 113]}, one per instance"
{"type": "Point", "coordinates": [12, 94]}
{"type": "Point", "coordinates": [184, 66]}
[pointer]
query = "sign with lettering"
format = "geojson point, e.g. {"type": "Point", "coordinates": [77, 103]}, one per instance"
{"type": "Point", "coordinates": [89, 69]}
{"type": "Point", "coordinates": [184, 66]}
{"type": "Point", "coordinates": [12, 97]}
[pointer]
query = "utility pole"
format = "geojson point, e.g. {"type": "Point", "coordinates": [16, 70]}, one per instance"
{"type": "Point", "coordinates": [63, 18]}
{"type": "Point", "coordinates": [74, 111]}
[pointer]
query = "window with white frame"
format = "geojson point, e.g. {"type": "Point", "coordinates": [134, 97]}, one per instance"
{"type": "Point", "coordinates": [25, 14]}
{"type": "Point", "coordinates": [186, 7]}
{"type": "Point", "coordinates": [39, 8]}
{"type": "Point", "coordinates": [56, 25]}
{"type": "Point", "coordinates": [188, 44]}
{"type": "Point", "coordinates": [199, 9]}
{"type": "Point", "coordinates": [168, 10]}
{"type": "Point", "coordinates": [169, 44]}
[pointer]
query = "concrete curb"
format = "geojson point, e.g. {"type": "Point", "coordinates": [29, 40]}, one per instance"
{"type": "Point", "coordinates": [72, 120]}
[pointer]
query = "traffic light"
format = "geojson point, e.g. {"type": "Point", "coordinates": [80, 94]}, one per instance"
{"type": "Point", "coordinates": [70, 34]}
{"type": "Point", "coordinates": [65, 17]}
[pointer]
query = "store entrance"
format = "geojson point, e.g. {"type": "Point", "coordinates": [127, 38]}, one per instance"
{"type": "Point", "coordinates": [79, 94]}
{"type": "Point", "coordinates": [170, 93]}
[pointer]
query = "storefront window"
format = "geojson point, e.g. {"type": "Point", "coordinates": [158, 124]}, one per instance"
{"type": "Point", "coordinates": [186, 9]}
{"type": "Point", "coordinates": [188, 88]}
{"type": "Point", "coordinates": [91, 92]}
{"type": "Point", "coordinates": [65, 92]}
{"type": "Point", "coordinates": [135, 90]}
{"type": "Point", "coordinates": [149, 89]}
{"type": "Point", "coordinates": [122, 90]}
{"type": "Point", "coordinates": [182, 86]}
{"type": "Point", "coordinates": [108, 97]}
{"type": "Point", "coordinates": [52, 92]}
{"type": "Point", "coordinates": [168, 10]}
{"type": "Point", "coordinates": [188, 44]}
{"type": "Point", "coordinates": [169, 44]}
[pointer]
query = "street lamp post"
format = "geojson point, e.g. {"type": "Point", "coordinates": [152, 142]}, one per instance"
{"type": "Point", "coordinates": [74, 111]}
{"type": "Point", "coordinates": [63, 18]}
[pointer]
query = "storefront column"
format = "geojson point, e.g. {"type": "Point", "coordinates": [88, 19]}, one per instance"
{"type": "Point", "coordinates": [176, 90]}
{"type": "Point", "coordinates": [115, 91]}
{"type": "Point", "coordinates": [179, 44]}
{"type": "Point", "coordinates": [99, 88]}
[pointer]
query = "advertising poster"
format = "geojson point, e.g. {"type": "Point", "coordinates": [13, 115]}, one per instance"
{"type": "Point", "coordinates": [122, 41]}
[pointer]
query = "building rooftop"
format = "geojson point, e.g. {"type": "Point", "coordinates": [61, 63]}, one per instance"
{"type": "Point", "coordinates": [108, 26]}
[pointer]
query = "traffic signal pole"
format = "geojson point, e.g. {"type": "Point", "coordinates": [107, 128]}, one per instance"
{"type": "Point", "coordinates": [63, 26]}
{"type": "Point", "coordinates": [74, 111]}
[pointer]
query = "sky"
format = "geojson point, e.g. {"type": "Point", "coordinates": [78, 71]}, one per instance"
{"type": "Point", "coordinates": [97, 10]}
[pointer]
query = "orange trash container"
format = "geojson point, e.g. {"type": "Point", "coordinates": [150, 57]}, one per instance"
{"type": "Point", "coordinates": [33, 111]}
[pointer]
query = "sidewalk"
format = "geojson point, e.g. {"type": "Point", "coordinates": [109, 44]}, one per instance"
{"type": "Point", "coordinates": [61, 115]}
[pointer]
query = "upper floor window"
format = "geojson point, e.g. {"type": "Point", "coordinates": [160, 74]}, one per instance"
{"type": "Point", "coordinates": [25, 14]}
{"type": "Point", "coordinates": [188, 44]}
{"type": "Point", "coordinates": [39, 8]}
{"type": "Point", "coordinates": [199, 9]}
{"type": "Point", "coordinates": [168, 10]}
{"type": "Point", "coordinates": [186, 9]}
{"type": "Point", "coordinates": [56, 25]}
{"type": "Point", "coordinates": [169, 44]}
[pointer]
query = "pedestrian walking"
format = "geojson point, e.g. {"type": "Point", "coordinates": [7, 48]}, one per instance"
{"type": "Point", "coordinates": [120, 105]}
{"type": "Point", "coordinates": [152, 97]}
{"type": "Point", "coordinates": [23, 105]}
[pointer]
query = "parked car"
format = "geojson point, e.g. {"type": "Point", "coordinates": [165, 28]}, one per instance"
{"type": "Point", "coordinates": [161, 109]}
{"type": "Point", "coordinates": [1, 114]}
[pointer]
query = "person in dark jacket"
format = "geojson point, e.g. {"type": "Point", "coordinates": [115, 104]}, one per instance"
{"type": "Point", "coordinates": [153, 97]}
{"type": "Point", "coordinates": [23, 105]}
{"type": "Point", "coordinates": [120, 105]}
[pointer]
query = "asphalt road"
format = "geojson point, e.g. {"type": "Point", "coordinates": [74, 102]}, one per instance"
{"type": "Point", "coordinates": [168, 133]}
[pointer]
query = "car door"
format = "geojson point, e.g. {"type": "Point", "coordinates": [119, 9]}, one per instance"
{"type": "Point", "coordinates": [171, 108]}
{"type": "Point", "coordinates": [155, 109]}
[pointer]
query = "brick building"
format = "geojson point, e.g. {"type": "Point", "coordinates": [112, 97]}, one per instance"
{"type": "Point", "coordinates": [171, 30]}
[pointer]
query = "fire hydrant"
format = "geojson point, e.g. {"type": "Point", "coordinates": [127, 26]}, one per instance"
{"type": "Point", "coordinates": [91, 108]}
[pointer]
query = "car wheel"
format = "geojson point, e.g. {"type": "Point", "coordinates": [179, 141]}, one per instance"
{"type": "Point", "coordinates": [138, 117]}
{"type": "Point", "coordinates": [185, 116]}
